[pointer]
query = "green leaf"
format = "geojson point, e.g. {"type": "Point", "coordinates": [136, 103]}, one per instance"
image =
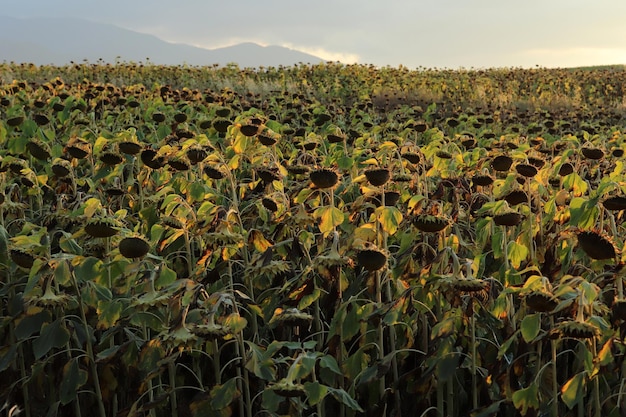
{"type": "Point", "coordinates": [309, 299]}
{"type": "Point", "coordinates": [517, 253]}
{"type": "Point", "coordinates": [109, 313]}
{"type": "Point", "coordinates": [345, 398]}
{"type": "Point", "coordinates": [575, 183]}
{"type": "Point", "coordinates": [88, 269]}
{"type": "Point", "coordinates": [589, 291]}
{"type": "Point", "coordinates": [507, 344]}
{"type": "Point", "coordinates": [345, 162]}
{"type": "Point", "coordinates": [4, 246]}
{"type": "Point", "coordinates": [302, 366]}
{"type": "Point", "coordinates": [259, 364]}
{"type": "Point", "coordinates": [583, 212]}
{"type": "Point", "coordinates": [62, 273]}
{"type": "Point", "coordinates": [329, 362]}
{"type": "Point", "coordinates": [447, 366]}
{"type": "Point", "coordinates": [30, 325]}
{"type": "Point", "coordinates": [526, 398]}
{"type": "Point", "coordinates": [315, 392]}
{"type": "Point", "coordinates": [330, 217]}
{"type": "Point", "coordinates": [488, 411]}
{"type": "Point", "coordinates": [223, 395]}
{"type": "Point", "coordinates": [69, 244]}
{"type": "Point", "coordinates": [572, 391]}
{"type": "Point", "coordinates": [235, 322]}
{"type": "Point", "coordinates": [389, 218]}
{"type": "Point", "coordinates": [73, 379]}
{"type": "Point", "coordinates": [53, 335]}
{"type": "Point", "coordinates": [531, 324]}
{"type": "Point", "coordinates": [197, 191]}
{"type": "Point", "coordinates": [166, 277]}
{"type": "Point", "coordinates": [270, 400]}
{"type": "Point", "coordinates": [605, 356]}
{"type": "Point", "coordinates": [445, 327]}
{"type": "Point", "coordinates": [8, 355]}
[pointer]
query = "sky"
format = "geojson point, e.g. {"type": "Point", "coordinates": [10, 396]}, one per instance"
{"type": "Point", "coordinates": [413, 33]}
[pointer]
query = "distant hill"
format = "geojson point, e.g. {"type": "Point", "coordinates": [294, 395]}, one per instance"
{"type": "Point", "coordinates": [58, 41]}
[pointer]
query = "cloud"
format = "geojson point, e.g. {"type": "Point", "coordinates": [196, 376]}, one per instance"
{"type": "Point", "coordinates": [325, 54]}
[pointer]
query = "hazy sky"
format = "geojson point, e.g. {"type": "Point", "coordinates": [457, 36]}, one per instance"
{"type": "Point", "coordinates": [413, 33]}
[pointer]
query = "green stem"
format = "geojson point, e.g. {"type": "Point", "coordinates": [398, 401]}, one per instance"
{"type": "Point", "coordinates": [90, 355]}
{"type": "Point", "coordinates": [146, 336]}
{"type": "Point", "coordinates": [555, 383]}
{"type": "Point", "coordinates": [596, 383]}
{"type": "Point", "coordinates": [440, 389]}
{"type": "Point", "coordinates": [474, 382]}
{"type": "Point", "coordinates": [246, 378]}
{"type": "Point", "coordinates": [191, 261]}
{"type": "Point", "coordinates": [381, 338]}
{"type": "Point", "coordinates": [451, 396]}
{"type": "Point", "coordinates": [216, 363]}
{"type": "Point", "coordinates": [531, 240]}
{"type": "Point", "coordinates": [171, 370]}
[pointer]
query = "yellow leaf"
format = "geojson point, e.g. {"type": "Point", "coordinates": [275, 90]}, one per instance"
{"type": "Point", "coordinates": [330, 217]}
{"type": "Point", "coordinates": [258, 240]}
{"type": "Point", "coordinates": [389, 218]}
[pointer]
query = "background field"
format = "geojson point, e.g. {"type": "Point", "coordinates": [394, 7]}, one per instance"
{"type": "Point", "coordinates": [315, 240]}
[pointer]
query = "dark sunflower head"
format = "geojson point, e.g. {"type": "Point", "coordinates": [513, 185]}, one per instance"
{"type": "Point", "coordinates": [61, 168]}
{"type": "Point", "coordinates": [130, 147]}
{"type": "Point", "coordinates": [134, 247]}
{"type": "Point", "coordinates": [509, 218]}
{"type": "Point", "coordinates": [377, 176]}
{"type": "Point", "coordinates": [197, 154]}
{"type": "Point", "coordinates": [412, 157]}
{"type": "Point", "coordinates": [39, 149]}
{"type": "Point", "coordinates": [78, 148]}
{"type": "Point", "coordinates": [541, 301]}
{"type": "Point", "coordinates": [502, 163]}
{"type": "Point", "coordinates": [526, 170]}
{"type": "Point", "coordinates": [372, 259]}
{"type": "Point", "coordinates": [268, 174]}
{"type": "Point", "coordinates": [221, 124]}
{"type": "Point", "coordinates": [592, 153]}
{"type": "Point", "coordinates": [430, 224]}
{"type": "Point", "coordinates": [22, 258]}
{"type": "Point", "coordinates": [596, 245]}
{"type": "Point", "coordinates": [566, 169]}
{"type": "Point", "coordinates": [577, 330]}
{"type": "Point", "coordinates": [213, 172]}
{"type": "Point", "coordinates": [516, 197]}
{"type": "Point", "coordinates": [249, 129]}
{"type": "Point", "coordinates": [180, 163]}
{"type": "Point", "coordinates": [482, 180]}
{"type": "Point", "coordinates": [615, 203]}
{"type": "Point", "coordinates": [324, 178]}
{"type": "Point", "coordinates": [111, 158]}
{"type": "Point", "coordinates": [150, 158]}
{"type": "Point", "coordinates": [102, 227]}
{"type": "Point", "coordinates": [270, 204]}
{"type": "Point", "coordinates": [618, 310]}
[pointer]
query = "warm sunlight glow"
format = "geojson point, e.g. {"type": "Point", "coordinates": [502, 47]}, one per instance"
{"type": "Point", "coordinates": [571, 57]}
{"type": "Point", "coordinates": [345, 58]}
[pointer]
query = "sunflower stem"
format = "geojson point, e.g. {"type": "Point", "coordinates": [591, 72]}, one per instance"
{"type": "Point", "coordinates": [555, 382]}
{"type": "Point", "coordinates": [90, 355]}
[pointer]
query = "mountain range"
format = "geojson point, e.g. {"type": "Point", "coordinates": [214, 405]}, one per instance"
{"type": "Point", "coordinates": [59, 41]}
